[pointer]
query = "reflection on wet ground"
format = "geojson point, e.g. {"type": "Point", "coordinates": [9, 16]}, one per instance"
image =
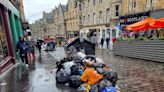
{"type": "Point", "coordinates": [134, 75]}
{"type": "Point", "coordinates": [39, 78]}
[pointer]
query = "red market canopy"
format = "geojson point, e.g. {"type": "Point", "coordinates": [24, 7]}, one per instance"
{"type": "Point", "coordinates": [141, 25]}
{"type": "Point", "coordinates": [159, 23]}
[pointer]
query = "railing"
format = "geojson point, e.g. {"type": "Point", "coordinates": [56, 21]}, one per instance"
{"type": "Point", "coordinates": [152, 50]}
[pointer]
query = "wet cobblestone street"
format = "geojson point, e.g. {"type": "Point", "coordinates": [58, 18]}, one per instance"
{"type": "Point", "coordinates": [134, 75]}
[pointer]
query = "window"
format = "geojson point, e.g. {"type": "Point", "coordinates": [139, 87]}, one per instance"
{"type": "Point", "coordinates": [100, 1]}
{"type": "Point", "coordinates": [3, 42]}
{"type": "Point", "coordinates": [77, 24]}
{"type": "Point", "coordinates": [70, 15]}
{"type": "Point", "coordinates": [147, 3]}
{"type": "Point", "coordinates": [100, 17]}
{"type": "Point", "coordinates": [83, 6]}
{"type": "Point", "coordinates": [80, 7]}
{"type": "Point", "coordinates": [70, 25]}
{"type": "Point", "coordinates": [117, 10]}
{"type": "Point", "coordinates": [94, 18]}
{"type": "Point", "coordinates": [150, 3]}
{"type": "Point", "coordinates": [130, 6]}
{"type": "Point", "coordinates": [94, 2]}
{"type": "Point", "coordinates": [88, 19]}
{"type": "Point", "coordinates": [108, 15]}
{"type": "Point", "coordinates": [134, 4]}
{"type": "Point", "coordinates": [84, 20]}
{"type": "Point", "coordinates": [80, 20]}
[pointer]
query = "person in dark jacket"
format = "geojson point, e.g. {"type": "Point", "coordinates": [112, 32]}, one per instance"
{"type": "Point", "coordinates": [102, 42]}
{"type": "Point", "coordinates": [107, 42]}
{"type": "Point", "coordinates": [22, 46]}
{"type": "Point", "coordinates": [38, 45]}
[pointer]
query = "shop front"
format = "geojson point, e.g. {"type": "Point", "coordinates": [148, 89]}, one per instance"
{"type": "Point", "coordinates": [158, 14]}
{"type": "Point", "coordinates": [95, 33]}
{"type": "Point", "coordinates": [7, 50]}
{"type": "Point", "coordinates": [15, 22]}
{"type": "Point", "coordinates": [130, 19]}
{"type": "Point", "coordinates": [6, 53]}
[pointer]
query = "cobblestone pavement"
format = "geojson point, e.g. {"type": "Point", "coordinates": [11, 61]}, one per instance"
{"type": "Point", "coordinates": [136, 75]}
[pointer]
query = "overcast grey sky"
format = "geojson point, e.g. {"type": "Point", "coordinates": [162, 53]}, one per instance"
{"type": "Point", "coordinates": [34, 8]}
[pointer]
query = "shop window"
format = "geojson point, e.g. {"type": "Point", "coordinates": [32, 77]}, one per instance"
{"type": "Point", "coordinates": [3, 42]}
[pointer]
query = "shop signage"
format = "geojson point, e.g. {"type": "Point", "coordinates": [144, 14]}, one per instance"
{"type": "Point", "coordinates": [133, 18]}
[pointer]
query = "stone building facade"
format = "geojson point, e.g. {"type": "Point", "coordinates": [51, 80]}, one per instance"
{"type": "Point", "coordinates": [38, 29]}
{"type": "Point", "coordinates": [60, 24]}
{"type": "Point", "coordinates": [21, 9]}
{"type": "Point", "coordinates": [72, 18]}
{"type": "Point", "coordinates": [51, 25]}
{"type": "Point", "coordinates": [139, 6]}
{"type": "Point", "coordinates": [97, 16]}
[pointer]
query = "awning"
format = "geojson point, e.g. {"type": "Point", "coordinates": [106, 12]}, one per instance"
{"type": "Point", "coordinates": [141, 25]}
{"type": "Point", "coordinates": [159, 23]}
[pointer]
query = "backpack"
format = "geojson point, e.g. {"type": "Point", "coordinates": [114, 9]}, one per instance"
{"type": "Point", "coordinates": [62, 77]}
{"type": "Point", "coordinates": [75, 81]}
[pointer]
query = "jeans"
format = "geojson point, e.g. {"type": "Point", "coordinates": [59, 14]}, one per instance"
{"type": "Point", "coordinates": [24, 58]}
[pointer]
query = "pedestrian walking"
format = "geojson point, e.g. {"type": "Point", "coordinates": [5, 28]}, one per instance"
{"type": "Point", "coordinates": [107, 42]}
{"type": "Point", "coordinates": [60, 43]}
{"type": "Point", "coordinates": [39, 45]}
{"type": "Point", "coordinates": [102, 42]}
{"type": "Point", "coordinates": [22, 49]}
{"type": "Point", "coordinates": [31, 50]}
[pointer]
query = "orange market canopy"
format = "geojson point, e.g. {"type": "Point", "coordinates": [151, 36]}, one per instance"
{"type": "Point", "coordinates": [141, 25]}
{"type": "Point", "coordinates": [159, 23]}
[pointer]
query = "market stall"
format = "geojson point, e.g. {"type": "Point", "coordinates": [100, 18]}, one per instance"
{"type": "Point", "coordinates": [148, 44]}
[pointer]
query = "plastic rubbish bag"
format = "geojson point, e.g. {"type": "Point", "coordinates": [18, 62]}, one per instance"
{"type": "Point", "coordinates": [67, 67]}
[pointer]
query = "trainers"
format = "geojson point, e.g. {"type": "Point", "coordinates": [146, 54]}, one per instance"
{"type": "Point", "coordinates": [27, 65]}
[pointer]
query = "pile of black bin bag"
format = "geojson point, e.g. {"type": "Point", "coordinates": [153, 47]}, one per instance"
{"type": "Point", "coordinates": [69, 71]}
